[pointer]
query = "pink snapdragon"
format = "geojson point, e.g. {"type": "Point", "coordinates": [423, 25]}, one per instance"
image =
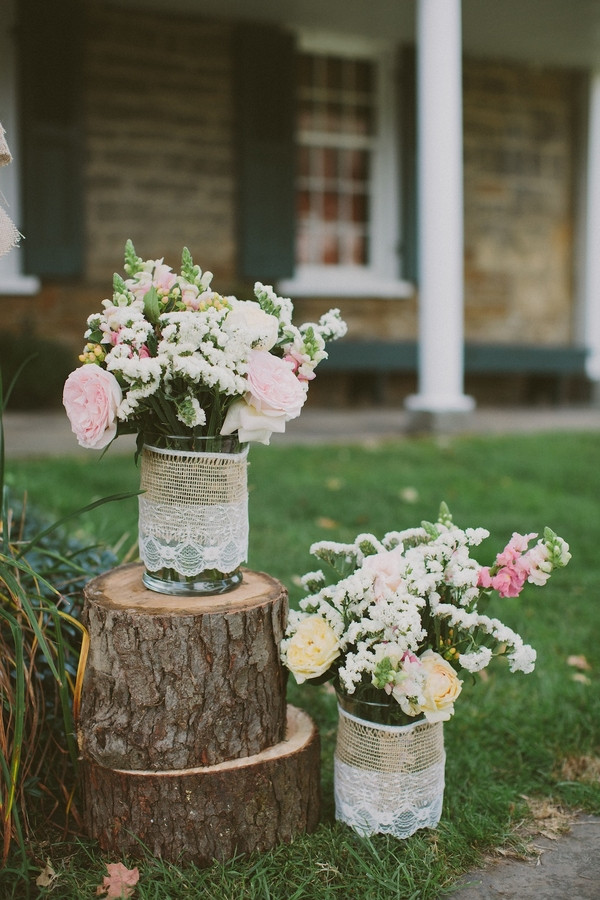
{"type": "Point", "coordinates": [514, 549]}
{"type": "Point", "coordinates": [513, 567]}
{"type": "Point", "coordinates": [301, 365]}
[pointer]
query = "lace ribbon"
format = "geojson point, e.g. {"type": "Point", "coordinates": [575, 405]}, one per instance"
{"type": "Point", "coordinates": [193, 514]}
{"type": "Point", "coordinates": [388, 779]}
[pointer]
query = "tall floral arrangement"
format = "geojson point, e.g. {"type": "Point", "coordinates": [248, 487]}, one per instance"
{"type": "Point", "coordinates": [404, 615]}
{"type": "Point", "coordinates": [170, 357]}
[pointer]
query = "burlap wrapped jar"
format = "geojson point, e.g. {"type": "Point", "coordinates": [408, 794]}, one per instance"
{"type": "Point", "coordinates": [193, 516]}
{"type": "Point", "coordinates": [388, 779]}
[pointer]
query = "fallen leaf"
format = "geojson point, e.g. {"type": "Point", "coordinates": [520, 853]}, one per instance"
{"type": "Point", "coordinates": [581, 678]}
{"type": "Point", "coordinates": [581, 768]}
{"type": "Point", "coordinates": [324, 522]}
{"type": "Point", "coordinates": [334, 484]}
{"type": "Point", "coordinates": [46, 876]}
{"type": "Point", "coordinates": [120, 882]}
{"type": "Point", "coordinates": [409, 495]}
{"type": "Point", "coordinates": [578, 662]}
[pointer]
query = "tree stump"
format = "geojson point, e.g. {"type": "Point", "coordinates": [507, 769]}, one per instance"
{"type": "Point", "coordinates": [187, 745]}
{"type": "Point", "coordinates": [215, 812]}
{"type": "Point", "coordinates": [177, 682]}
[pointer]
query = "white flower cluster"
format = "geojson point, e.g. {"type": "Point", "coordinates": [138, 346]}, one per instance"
{"type": "Point", "coordinates": [182, 353]}
{"type": "Point", "coordinates": [406, 610]}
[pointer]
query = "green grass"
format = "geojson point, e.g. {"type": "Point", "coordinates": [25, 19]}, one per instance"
{"type": "Point", "coordinates": [510, 734]}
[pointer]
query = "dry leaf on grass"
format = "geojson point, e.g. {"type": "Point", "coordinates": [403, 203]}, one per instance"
{"type": "Point", "coordinates": [324, 522]}
{"type": "Point", "coordinates": [409, 495]}
{"type": "Point", "coordinates": [46, 876]}
{"type": "Point", "coordinates": [120, 882]}
{"type": "Point", "coordinates": [581, 768]}
{"type": "Point", "coordinates": [578, 662]}
{"type": "Point", "coordinates": [549, 820]}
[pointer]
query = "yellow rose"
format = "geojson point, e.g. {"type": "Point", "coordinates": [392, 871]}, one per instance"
{"type": "Point", "coordinates": [312, 649]}
{"type": "Point", "coordinates": [442, 687]}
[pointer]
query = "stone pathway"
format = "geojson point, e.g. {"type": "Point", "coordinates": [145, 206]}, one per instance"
{"type": "Point", "coordinates": [565, 869]}
{"type": "Point", "coordinates": [49, 433]}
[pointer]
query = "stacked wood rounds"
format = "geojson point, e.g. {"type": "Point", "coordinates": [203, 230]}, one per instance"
{"type": "Point", "coordinates": [188, 749]}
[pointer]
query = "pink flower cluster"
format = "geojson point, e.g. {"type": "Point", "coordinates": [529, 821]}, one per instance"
{"type": "Point", "coordinates": [515, 565]}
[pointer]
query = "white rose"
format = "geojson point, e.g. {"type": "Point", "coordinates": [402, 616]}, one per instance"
{"type": "Point", "coordinates": [253, 424]}
{"type": "Point", "coordinates": [442, 687]}
{"type": "Point", "coordinates": [312, 649]}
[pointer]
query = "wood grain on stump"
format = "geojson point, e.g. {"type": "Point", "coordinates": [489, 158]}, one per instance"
{"type": "Point", "coordinates": [181, 682]}
{"type": "Point", "coordinates": [215, 812]}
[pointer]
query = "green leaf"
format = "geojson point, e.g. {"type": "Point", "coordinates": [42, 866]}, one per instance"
{"type": "Point", "coordinates": [152, 305]}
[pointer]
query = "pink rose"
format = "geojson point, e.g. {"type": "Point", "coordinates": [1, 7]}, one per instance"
{"type": "Point", "coordinates": [272, 385]}
{"type": "Point", "coordinates": [386, 569]}
{"type": "Point", "coordinates": [91, 397]}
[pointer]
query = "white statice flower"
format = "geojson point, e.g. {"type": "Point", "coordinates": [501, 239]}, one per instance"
{"type": "Point", "coordinates": [331, 326]}
{"type": "Point", "coordinates": [476, 536]}
{"type": "Point", "coordinates": [281, 307]}
{"type": "Point", "coordinates": [311, 579]}
{"type": "Point", "coordinates": [522, 658]}
{"type": "Point", "coordinates": [191, 413]}
{"type": "Point", "coordinates": [477, 660]}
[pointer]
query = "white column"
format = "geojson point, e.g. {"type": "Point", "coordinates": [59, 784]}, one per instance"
{"type": "Point", "coordinates": [440, 210]}
{"type": "Point", "coordinates": [590, 318]}
{"type": "Point", "coordinates": [12, 281]}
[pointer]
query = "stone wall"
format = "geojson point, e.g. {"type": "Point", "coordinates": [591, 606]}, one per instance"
{"type": "Point", "coordinates": [520, 150]}
{"type": "Point", "coordinates": [159, 140]}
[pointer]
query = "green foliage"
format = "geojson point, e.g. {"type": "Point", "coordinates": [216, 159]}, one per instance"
{"type": "Point", "coordinates": [511, 736]}
{"type": "Point", "coordinates": [42, 572]}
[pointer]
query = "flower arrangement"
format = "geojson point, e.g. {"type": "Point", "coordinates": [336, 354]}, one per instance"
{"type": "Point", "coordinates": [170, 357]}
{"type": "Point", "coordinates": [406, 615]}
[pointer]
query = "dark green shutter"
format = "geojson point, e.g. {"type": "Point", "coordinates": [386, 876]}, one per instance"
{"type": "Point", "coordinates": [265, 119]}
{"type": "Point", "coordinates": [50, 81]}
{"type": "Point", "coordinates": [408, 157]}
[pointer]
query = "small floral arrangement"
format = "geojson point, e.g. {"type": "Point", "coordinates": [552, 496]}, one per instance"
{"type": "Point", "coordinates": [406, 614]}
{"type": "Point", "coordinates": [169, 357]}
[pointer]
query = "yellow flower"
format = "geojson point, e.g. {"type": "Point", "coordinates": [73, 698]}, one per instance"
{"type": "Point", "coordinates": [312, 649]}
{"type": "Point", "coordinates": [442, 687]}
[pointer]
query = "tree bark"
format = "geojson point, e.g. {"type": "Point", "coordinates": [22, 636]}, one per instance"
{"type": "Point", "coordinates": [208, 813]}
{"type": "Point", "coordinates": [181, 682]}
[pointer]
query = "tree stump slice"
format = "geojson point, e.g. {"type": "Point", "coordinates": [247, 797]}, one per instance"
{"type": "Point", "coordinates": [181, 682]}
{"type": "Point", "coordinates": [215, 812]}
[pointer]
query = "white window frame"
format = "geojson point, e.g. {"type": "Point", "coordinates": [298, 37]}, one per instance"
{"type": "Point", "coordinates": [12, 279]}
{"type": "Point", "coordinates": [380, 278]}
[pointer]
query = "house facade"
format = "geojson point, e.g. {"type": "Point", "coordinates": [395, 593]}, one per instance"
{"type": "Point", "coordinates": [428, 166]}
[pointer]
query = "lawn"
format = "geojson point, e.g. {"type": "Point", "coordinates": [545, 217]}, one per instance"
{"type": "Point", "coordinates": [512, 737]}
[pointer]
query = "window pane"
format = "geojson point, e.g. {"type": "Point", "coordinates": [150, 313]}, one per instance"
{"type": "Point", "coordinates": [336, 118]}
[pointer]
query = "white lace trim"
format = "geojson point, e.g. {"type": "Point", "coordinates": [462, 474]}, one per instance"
{"type": "Point", "coordinates": [388, 780]}
{"type": "Point", "coordinates": [193, 514]}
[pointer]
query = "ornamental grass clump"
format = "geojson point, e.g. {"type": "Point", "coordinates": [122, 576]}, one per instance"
{"type": "Point", "coordinates": [42, 572]}
{"type": "Point", "coordinates": [406, 615]}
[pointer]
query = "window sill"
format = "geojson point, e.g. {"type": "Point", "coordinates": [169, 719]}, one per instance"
{"type": "Point", "coordinates": [21, 285]}
{"type": "Point", "coordinates": [337, 284]}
